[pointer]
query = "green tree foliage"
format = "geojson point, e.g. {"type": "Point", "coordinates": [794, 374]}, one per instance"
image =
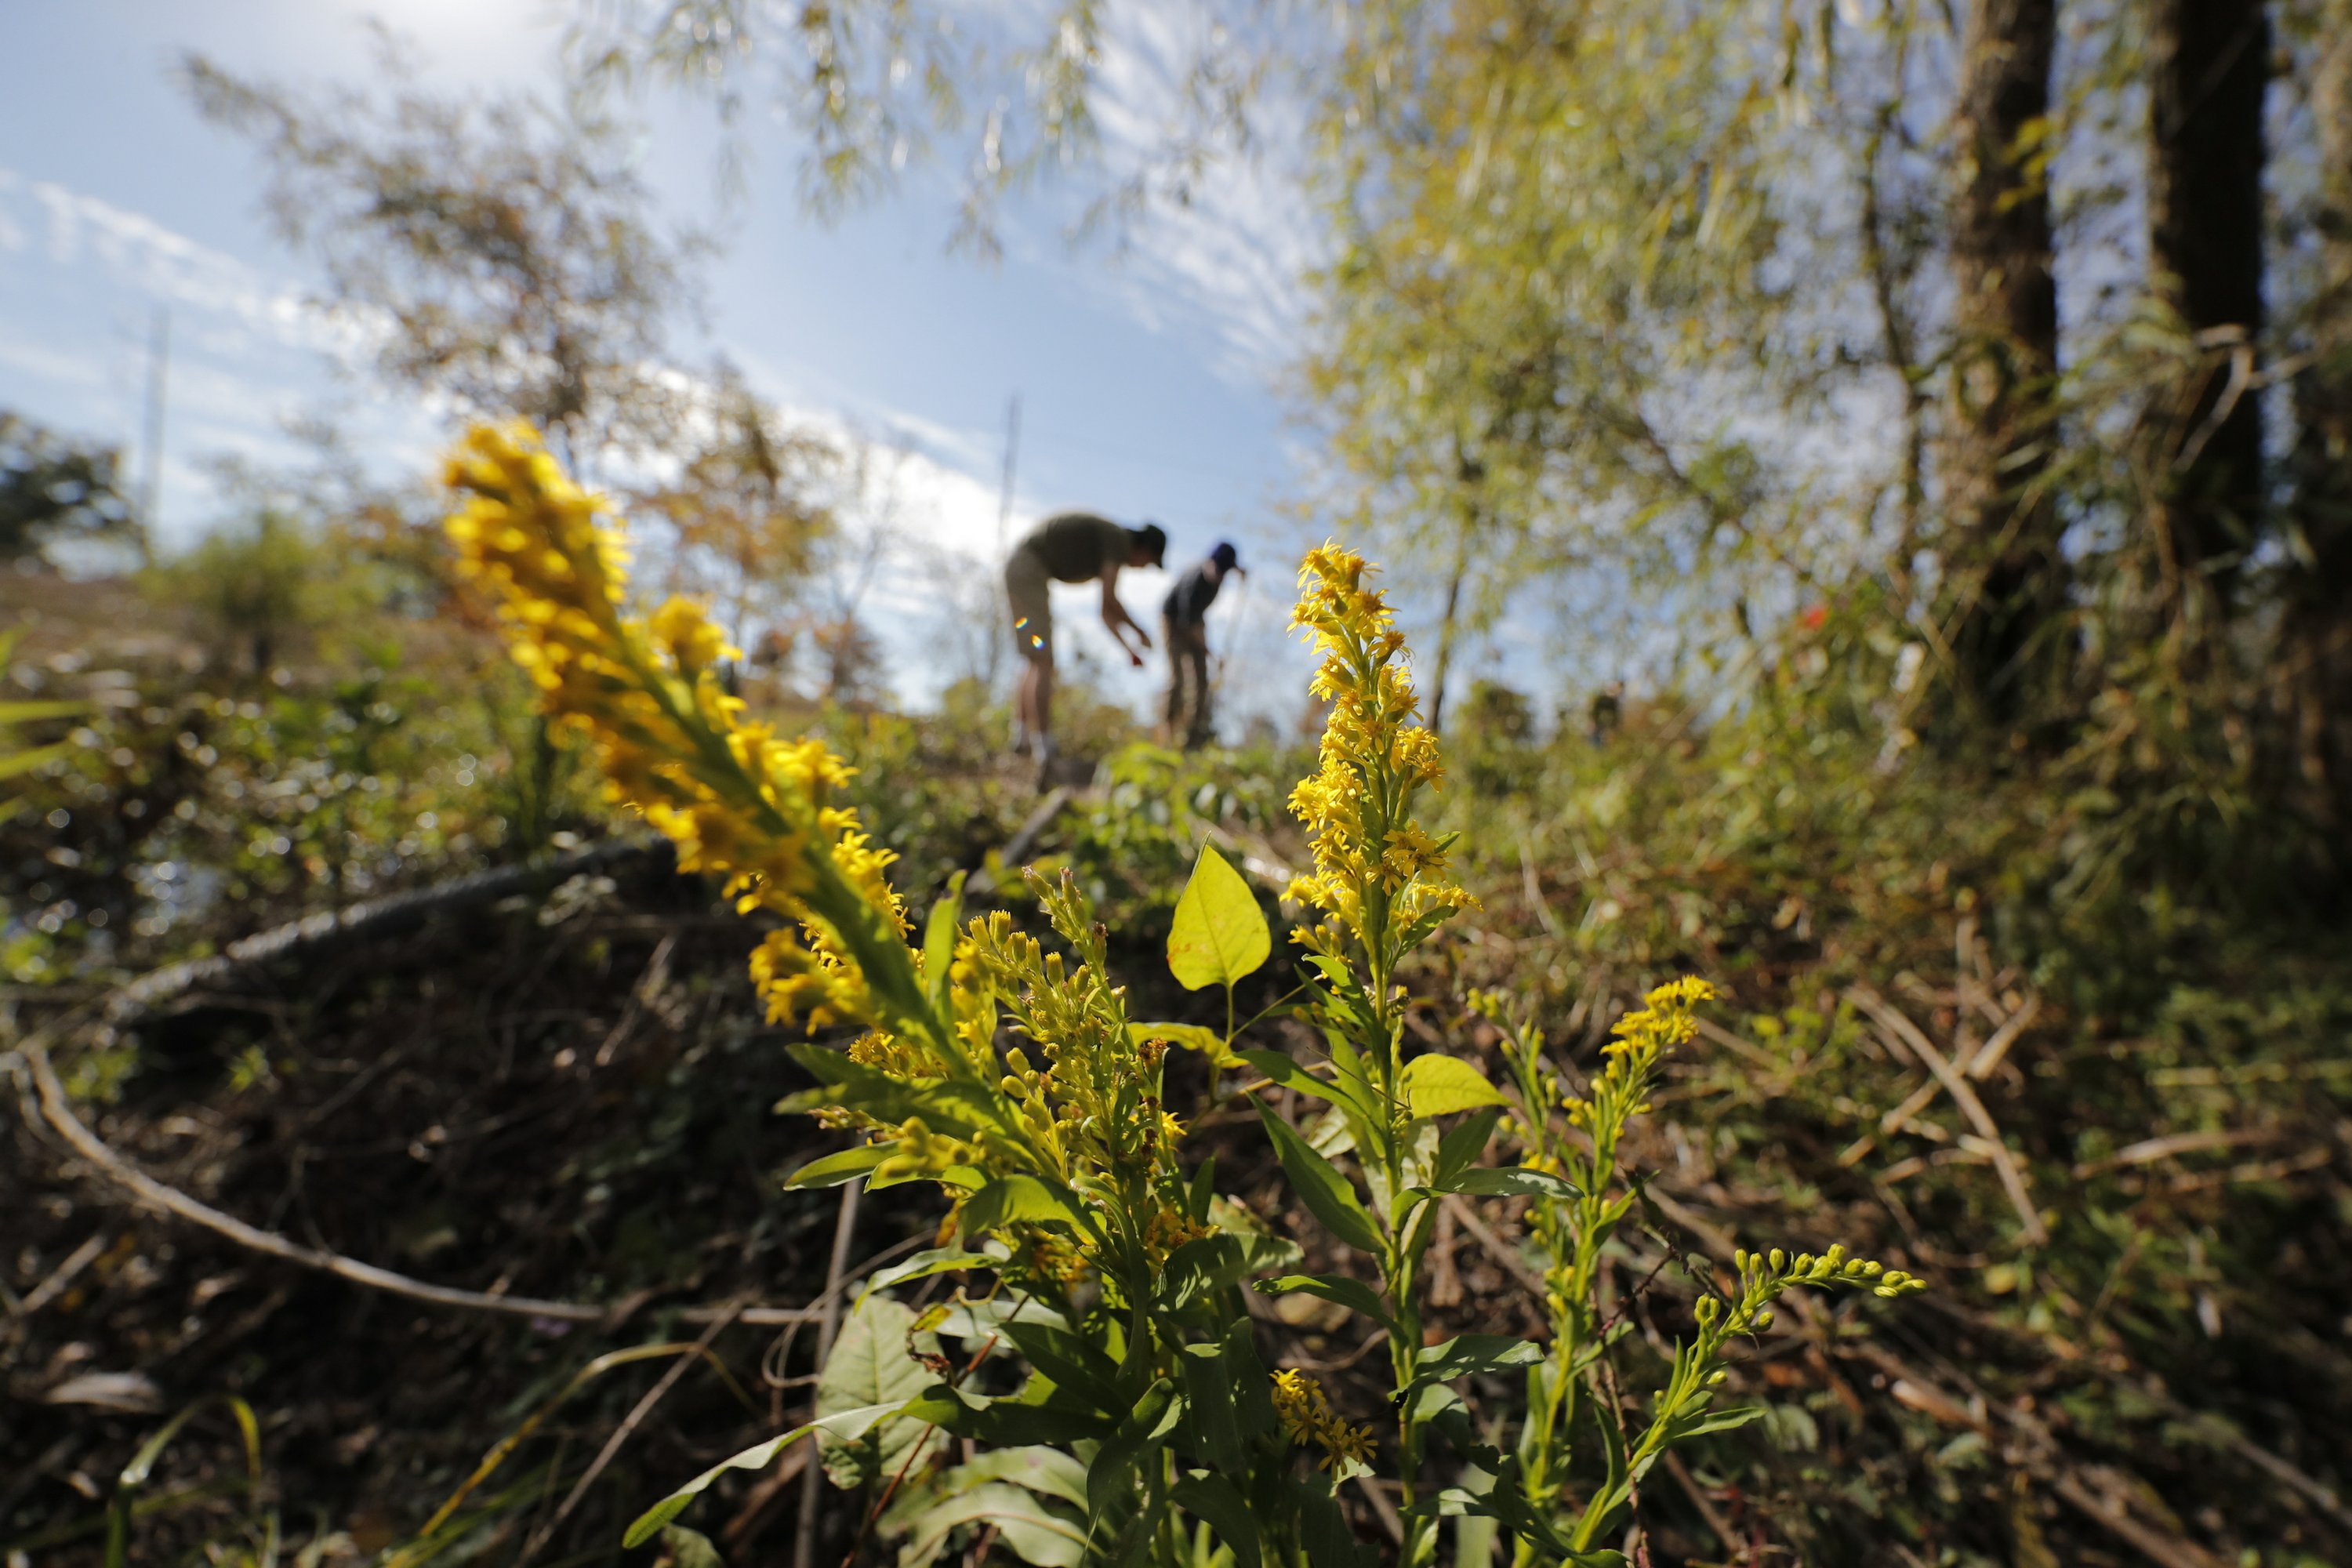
{"type": "Point", "coordinates": [1552, 300]}
{"type": "Point", "coordinates": [872, 87]}
{"type": "Point", "coordinates": [54, 488]}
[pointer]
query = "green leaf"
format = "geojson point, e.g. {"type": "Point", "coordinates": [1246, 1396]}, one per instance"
{"type": "Point", "coordinates": [1467, 1354]}
{"type": "Point", "coordinates": [836, 1169]}
{"type": "Point", "coordinates": [1512, 1182]}
{"type": "Point", "coordinates": [1074, 1365]}
{"type": "Point", "coordinates": [1287, 1074]}
{"type": "Point", "coordinates": [1215, 1498]}
{"type": "Point", "coordinates": [870, 1365]}
{"type": "Point", "coordinates": [847, 1425]}
{"type": "Point", "coordinates": [1353, 1294]}
{"type": "Point", "coordinates": [1044, 1533]}
{"type": "Point", "coordinates": [26, 712]}
{"type": "Point", "coordinates": [1326, 1193]}
{"type": "Point", "coordinates": [1003, 1423]}
{"type": "Point", "coordinates": [1198, 1270]}
{"type": "Point", "coordinates": [1439, 1086]}
{"type": "Point", "coordinates": [1219, 934]}
{"type": "Point", "coordinates": [1459, 1149]}
{"type": "Point", "coordinates": [1211, 1431]}
{"type": "Point", "coordinates": [26, 762]}
{"type": "Point", "coordinates": [1192, 1036]}
{"type": "Point", "coordinates": [938, 1260]}
{"type": "Point", "coordinates": [1110, 1479]}
{"type": "Point", "coordinates": [689, 1548]}
{"type": "Point", "coordinates": [939, 940]}
{"type": "Point", "coordinates": [1049, 1472]}
{"type": "Point", "coordinates": [1015, 1199]}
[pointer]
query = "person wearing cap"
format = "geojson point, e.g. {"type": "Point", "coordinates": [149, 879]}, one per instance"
{"type": "Point", "coordinates": [1183, 619]}
{"type": "Point", "coordinates": [1068, 547]}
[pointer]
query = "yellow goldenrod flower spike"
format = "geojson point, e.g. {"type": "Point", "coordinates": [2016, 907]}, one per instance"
{"type": "Point", "coordinates": [738, 801]}
{"type": "Point", "coordinates": [1377, 875]}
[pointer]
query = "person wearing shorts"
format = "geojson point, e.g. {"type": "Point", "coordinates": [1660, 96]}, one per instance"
{"type": "Point", "coordinates": [1068, 547]}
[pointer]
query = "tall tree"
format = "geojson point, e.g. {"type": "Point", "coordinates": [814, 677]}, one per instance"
{"type": "Point", "coordinates": [2005, 585]}
{"type": "Point", "coordinates": [2209, 68]}
{"type": "Point", "coordinates": [2316, 642]}
{"type": "Point", "coordinates": [505, 253]}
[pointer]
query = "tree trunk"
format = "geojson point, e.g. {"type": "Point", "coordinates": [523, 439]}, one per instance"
{"type": "Point", "coordinates": [2005, 579]}
{"type": "Point", "coordinates": [2208, 66]}
{"type": "Point", "coordinates": [2316, 629]}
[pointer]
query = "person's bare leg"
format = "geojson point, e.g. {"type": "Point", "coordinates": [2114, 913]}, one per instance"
{"type": "Point", "coordinates": [1042, 669]}
{"type": "Point", "coordinates": [1025, 705]}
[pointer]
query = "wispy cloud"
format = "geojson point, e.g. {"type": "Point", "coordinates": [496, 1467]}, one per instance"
{"type": "Point", "coordinates": [1222, 252]}
{"type": "Point", "coordinates": [135, 251]}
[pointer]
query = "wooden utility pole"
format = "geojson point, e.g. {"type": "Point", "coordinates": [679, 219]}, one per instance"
{"type": "Point", "coordinates": [151, 489]}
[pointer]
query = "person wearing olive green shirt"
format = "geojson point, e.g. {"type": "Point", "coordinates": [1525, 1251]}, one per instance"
{"type": "Point", "coordinates": [1069, 547]}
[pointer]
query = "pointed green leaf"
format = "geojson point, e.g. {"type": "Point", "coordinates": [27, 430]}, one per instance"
{"type": "Point", "coordinates": [1043, 1533]}
{"type": "Point", "coordinates": [1210, 1431]}
{"type": "Point", "coordinates": [1465, 1354]}
{"type": "Point", "coordinates": [871, 1366]}
{"type": "Point", "coordinates": [1192, 1036]}
{"type": "Point", "coordinates": [1219, 934]}
{"type": "Point", "coordinates": [938, 1260]}
{"type": "Point", "coordinates": [1460, 1149]}
{"type": "Point", "coordinates": [836, 1169]}
{"type": "Point", "coordinates": [1017, 1198]}
{"type": "Point", "coordinates": [1211, 1496]}
{"type": "Point", "coordinates": [846, 1424]}
{"type": "Point", "coordinates": [1353, 1294]}
{"type": "Point", "coordinates": [939, 938]}
{"type": "Point", "coordinates": [1327, 1193]}
{"type": "Point", "coordinates": [1198, 1270]}
{"type": "Point", "coordinates": [1439, 1086]}
{"type": "Point", "coordinates": [1289, 1074]}
{"type": "Point", "coordinates": [1512, 1182]}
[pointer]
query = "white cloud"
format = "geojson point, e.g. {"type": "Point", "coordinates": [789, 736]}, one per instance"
{"type": "Point", "coordinates": [136, 252]}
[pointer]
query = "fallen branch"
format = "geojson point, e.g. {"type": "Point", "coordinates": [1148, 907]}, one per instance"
{"type": "Point", "coordinates": [2149, 1150]}
{"type": "Point", "coordinates": [2012, 1180]}
{"type": "Point", "coordinates": [44, 1101]}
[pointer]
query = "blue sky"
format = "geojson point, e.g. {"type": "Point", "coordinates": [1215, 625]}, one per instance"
{"type": "Point", "coordinates": [1144, 382]}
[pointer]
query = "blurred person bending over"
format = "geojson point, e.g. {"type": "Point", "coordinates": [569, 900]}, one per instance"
{"type": "Point", "coordinates": [1068, 547]}
{"type": "Point", "coordinates": [1183, 619]}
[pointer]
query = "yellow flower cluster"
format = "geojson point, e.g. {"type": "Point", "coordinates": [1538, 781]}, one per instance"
{"type": "Point", "coordinates": [1307, 1415]}
{"type": "Point", "coordinates": [1662, 1023]}
{"type": "Point", "coordinates": [1378, 876]}
{"type": "Point", "coordinates": [737, 799]}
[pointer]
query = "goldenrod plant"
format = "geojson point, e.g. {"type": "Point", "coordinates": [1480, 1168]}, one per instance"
{"type": "Point", "coordinates": [1110, 1394]}
{"type": "Point", "coordinates": [1575, 1138]}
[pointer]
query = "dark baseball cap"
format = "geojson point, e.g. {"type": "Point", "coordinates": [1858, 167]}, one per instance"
{"type": "Point", "coordinates": [1225, 555]}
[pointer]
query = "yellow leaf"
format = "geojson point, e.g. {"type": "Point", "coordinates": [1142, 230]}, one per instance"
{"type": "Point", "coordinates": [1220, 933]}
{"type": "Point", "coordinates": [1440, 1086]}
